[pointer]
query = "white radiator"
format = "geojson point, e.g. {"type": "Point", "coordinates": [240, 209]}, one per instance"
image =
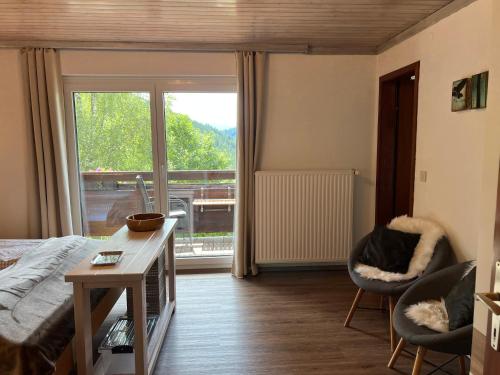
{"type": "Point", "coordinates": [303, 217]}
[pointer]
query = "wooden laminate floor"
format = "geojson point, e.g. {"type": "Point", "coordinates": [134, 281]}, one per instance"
{"type": "Point", "coordinates": [277, 323]}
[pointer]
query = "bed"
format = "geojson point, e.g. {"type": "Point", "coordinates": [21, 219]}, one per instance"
{"type": "Point", "coordinates": [36, 305]}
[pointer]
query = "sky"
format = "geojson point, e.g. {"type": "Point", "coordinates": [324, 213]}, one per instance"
{"type": "Point", "coordinates": [216, 109]}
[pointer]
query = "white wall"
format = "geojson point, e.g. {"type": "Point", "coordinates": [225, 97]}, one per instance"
{"type": "Point", "coordinates": [17, 174]}
{"type": "Point", "coordinates": [149, 64]}
{"type": "Point", "coordinates": [319, 114]}
{"type": "Point", "coordinates": [460, 191]}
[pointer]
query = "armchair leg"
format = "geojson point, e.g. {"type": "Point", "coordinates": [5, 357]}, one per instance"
{"type": "Point", "coordinates": [396, 353]}
{"type": "Point", "coordinates": [392, 332]}
{"type": "Point", "coordinates": [417, 366]}
{"type": "Point", "coordinates": [354, 306]}
{"type": "Point", "coordinates": [463, 370]}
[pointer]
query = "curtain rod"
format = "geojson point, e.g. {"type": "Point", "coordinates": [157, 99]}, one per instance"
{"type": "Point", "coordinates": [158, 46]}
{"type": "Point", "coordinates": [190, 47]}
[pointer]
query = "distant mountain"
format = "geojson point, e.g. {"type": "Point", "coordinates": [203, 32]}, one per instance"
{"type": "Point", "coordinates": [224, 139]}
{"type": "Point", "coordinates": [231, 132]}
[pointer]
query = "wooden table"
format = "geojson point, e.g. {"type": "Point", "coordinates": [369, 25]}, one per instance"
{"type": "Point", "coordinates": [141, 251]}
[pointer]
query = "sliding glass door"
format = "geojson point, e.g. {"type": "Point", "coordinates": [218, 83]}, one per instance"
{"type": "Point", "coordinates": [201, 154]}
{"type": "Point", "coordinates": [155, 145]}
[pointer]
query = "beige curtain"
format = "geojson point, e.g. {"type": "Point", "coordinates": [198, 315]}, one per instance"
{"type": "Point", "coordinates": [251, 78]}
{"type": "Point", "coordinates": [45, 106]}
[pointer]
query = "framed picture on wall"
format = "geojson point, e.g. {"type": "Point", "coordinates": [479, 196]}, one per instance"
{"type": "Point", "coordinates": [479, 90]}
{"type": "Point", "coordinates": [460, 95]}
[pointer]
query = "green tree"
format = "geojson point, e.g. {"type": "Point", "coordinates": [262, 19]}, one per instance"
{"type": "Point", "coordinates": [190, 149]}
{"type": "Point", "coordinates": [114, 132]}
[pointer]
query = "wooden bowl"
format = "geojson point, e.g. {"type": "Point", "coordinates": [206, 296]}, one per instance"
{"type": "Point", "coordinates": [145, 222]}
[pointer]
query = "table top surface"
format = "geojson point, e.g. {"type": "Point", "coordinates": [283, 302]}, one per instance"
{"type": "Point", "coordinates": [140, 250]}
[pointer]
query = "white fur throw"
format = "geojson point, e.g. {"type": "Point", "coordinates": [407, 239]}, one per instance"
{"type": "Point", "coordinates": [430, 234]}
{"type": "Point", "coordinates": [431, 314]}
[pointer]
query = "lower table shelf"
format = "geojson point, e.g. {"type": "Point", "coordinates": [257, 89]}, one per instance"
{"type": "Point", "coordinates": [120, 338]}
{"type": "Point", "coordinates": [116, 350]}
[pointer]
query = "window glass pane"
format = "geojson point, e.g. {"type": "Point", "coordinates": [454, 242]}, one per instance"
{"type": "Point", "coordinates": [201, 155]}
{"type": "Point", "coordinates": [115, 158]}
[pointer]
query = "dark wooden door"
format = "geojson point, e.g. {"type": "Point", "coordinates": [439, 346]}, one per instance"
{"type": "Point", "coordinates": [385, 153]}
{"type": "Point", "coordinates": [491, 357]}
{"type": "Point", "coordinates": [396, 143]}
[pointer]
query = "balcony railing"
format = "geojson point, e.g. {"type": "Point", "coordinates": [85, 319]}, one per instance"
{"type": "Point", "coordinates": [207, 197]}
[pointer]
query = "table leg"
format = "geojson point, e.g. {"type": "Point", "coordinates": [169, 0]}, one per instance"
{"type": "Point", "coordinates": [140, 327]}
{"type": "Point", "coordinates": [171, 268]}
{"type": "Point", "coordinates": [83, 329]}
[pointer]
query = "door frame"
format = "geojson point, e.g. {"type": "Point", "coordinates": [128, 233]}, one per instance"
{"type": "Point", "coordinates": [413, 68]}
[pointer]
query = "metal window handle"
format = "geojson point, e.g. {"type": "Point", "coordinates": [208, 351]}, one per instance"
{"type": "Point", "coordinates": [491, 300]}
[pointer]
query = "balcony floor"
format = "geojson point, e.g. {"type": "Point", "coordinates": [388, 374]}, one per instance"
{"type": "Point", "coordinates": [203, 246]}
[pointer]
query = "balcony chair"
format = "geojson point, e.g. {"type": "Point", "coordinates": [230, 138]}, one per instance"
{"type": "Point", "coordinates": [178, 208]}
{"type": "Point", "coordinates": [435, 286]}
{"type": "Point", "coordinates": [442, 257]}
{"type": "Point", "coordinates": [145, 200]}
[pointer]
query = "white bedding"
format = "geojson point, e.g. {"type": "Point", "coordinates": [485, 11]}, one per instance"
{"type": "Point", "coordinates": [12, 250]}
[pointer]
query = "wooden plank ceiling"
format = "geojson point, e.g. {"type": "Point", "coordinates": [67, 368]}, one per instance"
{"type": "Point", "coordinates": [355, 26]}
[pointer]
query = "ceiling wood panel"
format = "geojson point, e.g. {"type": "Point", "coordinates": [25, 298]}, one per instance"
{"type": "Point", "coordinates": [323, 26]}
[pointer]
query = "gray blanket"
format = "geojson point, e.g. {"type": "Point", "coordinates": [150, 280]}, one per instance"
{"type": "Point", "coordinates": [36, 305]}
